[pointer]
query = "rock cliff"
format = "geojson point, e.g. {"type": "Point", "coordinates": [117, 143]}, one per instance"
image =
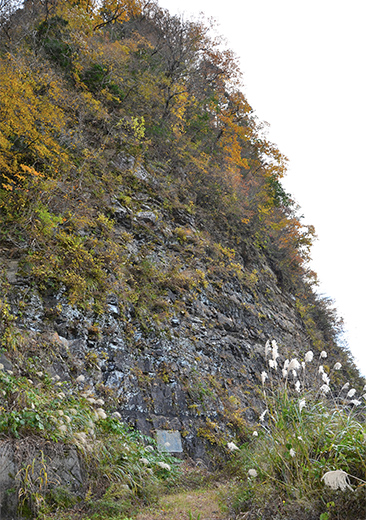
{"type": "Point", "coordinates": [190, 358]}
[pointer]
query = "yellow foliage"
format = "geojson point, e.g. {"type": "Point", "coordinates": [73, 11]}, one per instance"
{"type": "Point", "coordinates": [181, 99]}
{"type": "Point", "coordinates": [29, 122]}
{"type": "Point", "coordinates": [30, 170]}
{"type": "Point", "coordinates": [93, 14]}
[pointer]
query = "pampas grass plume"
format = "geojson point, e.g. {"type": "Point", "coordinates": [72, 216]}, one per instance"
{"type": "Point", "coordinates": [302, 404]}
{"type": "Point", "coordinates": [309, 356]}
{"type": "Point", "coordinates": [264, 376]}
{"type": "Point", "coordinates": [293, 365]}
{"type": "Point", "coordinates": [337, 479]}
{"type": "Point", "coordinates": [325, 389]}
{"type": "Point", "coordinates": [231, 446]}
{"type": "Point", "coordinates": [262, 415]}
{"type": "Point", "coordinates": [275, 353]}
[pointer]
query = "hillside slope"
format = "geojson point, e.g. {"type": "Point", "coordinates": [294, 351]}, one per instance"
{"type": "Point", "coordinates": [148, 248]}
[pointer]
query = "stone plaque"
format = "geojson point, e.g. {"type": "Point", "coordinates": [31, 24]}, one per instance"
{"type": "Point", "coordinates": [169, 441]}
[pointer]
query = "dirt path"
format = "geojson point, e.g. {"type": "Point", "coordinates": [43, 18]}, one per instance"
{"type": "Point", "coordinates": [190, 505]}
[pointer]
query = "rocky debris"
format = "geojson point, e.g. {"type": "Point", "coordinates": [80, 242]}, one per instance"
{"type": "Point", "coordinates": [127, 162]}
{"type": "Point", "coordinates": [122, 215]}
{"type": "Point", "coordinates": [147, 216]}
{"type": "Point", "coordinates": [11, 268]}
{"type": "Point", "coordinates": [6, 363]}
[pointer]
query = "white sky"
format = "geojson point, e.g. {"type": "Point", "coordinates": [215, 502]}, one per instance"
{"type": "Point", "coordinates": [304, 73]}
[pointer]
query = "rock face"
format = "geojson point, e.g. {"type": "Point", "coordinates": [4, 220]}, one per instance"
{"type": "Point", "coordinates": [32, 464]}
{"type": "Point", "coordinates": [190, 358]}
{"type": "Point", "coordinates": [8, 471]}
{"type": "Point", "coordinates": [175, 344]}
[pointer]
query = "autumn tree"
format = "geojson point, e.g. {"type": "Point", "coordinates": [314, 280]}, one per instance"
{"type": "Point", "coordinates": [30, 123]}
{"type": "Point", "coordinates": [96, 76]}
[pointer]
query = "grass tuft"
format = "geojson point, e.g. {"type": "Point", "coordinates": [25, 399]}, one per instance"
{"type": "Point", "coordinates": [308, 448]}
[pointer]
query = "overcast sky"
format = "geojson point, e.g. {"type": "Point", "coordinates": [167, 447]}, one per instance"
{"type": "Point", "coordinates": [304, 73]}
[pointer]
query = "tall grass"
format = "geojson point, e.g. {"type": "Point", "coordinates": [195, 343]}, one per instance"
{"type": "Point", "coordinates": [307, 456]}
